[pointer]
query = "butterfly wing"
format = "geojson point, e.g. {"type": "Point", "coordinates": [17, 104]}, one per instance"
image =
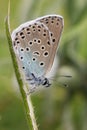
{"type": "Point", "coordinates": [35, 44]}
{"type": "Point", "coordinates": [55, 24]}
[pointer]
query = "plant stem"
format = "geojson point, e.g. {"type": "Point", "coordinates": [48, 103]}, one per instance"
{"type": "Point", "coordinates": [26, 98]}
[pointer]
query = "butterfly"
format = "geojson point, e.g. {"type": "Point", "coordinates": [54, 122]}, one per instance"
{"type": "Point", "coordinates": [35, 43]}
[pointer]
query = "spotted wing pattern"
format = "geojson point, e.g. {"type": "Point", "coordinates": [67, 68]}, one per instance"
{"type": "Point", "coordinates": [35, 44]}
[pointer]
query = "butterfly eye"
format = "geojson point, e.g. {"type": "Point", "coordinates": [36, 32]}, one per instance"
{"type": "Point", "coordinates": [45, 81]}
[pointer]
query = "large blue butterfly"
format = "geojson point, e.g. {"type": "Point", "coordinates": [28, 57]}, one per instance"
{"type": "Point", "coordinates": [35, 44]}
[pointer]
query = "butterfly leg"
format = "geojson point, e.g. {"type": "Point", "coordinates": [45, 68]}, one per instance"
{"type": "Point", "coordinates": [32, 89]}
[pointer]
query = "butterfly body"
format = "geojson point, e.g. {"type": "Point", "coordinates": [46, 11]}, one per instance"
{"type": "Point", "coordinates": [37, 81]}
{"type": "Point", "coordinates": [35, 44]}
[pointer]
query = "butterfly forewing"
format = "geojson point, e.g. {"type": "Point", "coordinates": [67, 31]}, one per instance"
{"type": "Point", "coordinates": [54, 23]}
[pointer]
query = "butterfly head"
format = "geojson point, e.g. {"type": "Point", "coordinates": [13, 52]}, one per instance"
{"type": "Point", "coordinates": [45, 82]}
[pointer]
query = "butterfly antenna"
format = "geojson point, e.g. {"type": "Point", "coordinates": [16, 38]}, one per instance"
{"type": "Point", "coordinates": [61, 84]}
{"type": "Point", "coordinates": [67, 76]}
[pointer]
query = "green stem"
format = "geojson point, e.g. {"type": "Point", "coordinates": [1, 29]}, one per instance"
{"type": "Point", "coordinates": [26, 98]}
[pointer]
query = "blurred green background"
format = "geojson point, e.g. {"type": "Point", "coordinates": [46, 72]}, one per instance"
{"type": "Point", "coordinates": [56, 108]}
